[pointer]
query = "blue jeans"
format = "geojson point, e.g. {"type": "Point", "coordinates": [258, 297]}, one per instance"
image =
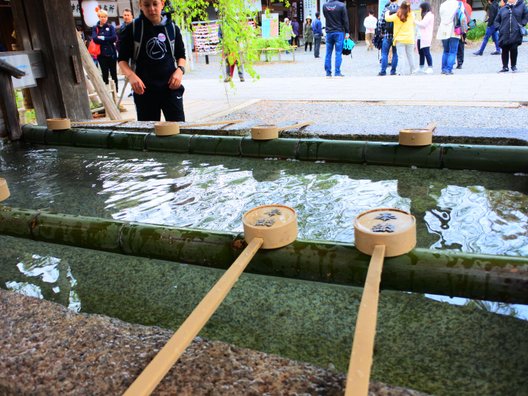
{"type": "Point", "coordinates": [450, 53]}
{"type": "Point", "coordinates": [385, 47]}
{"type": "Point", "coordinates": [334, 39]}
{"type": "Point", "coordinates": [494, 34]}
{"type": "Point", "coordinates": [425, 53]}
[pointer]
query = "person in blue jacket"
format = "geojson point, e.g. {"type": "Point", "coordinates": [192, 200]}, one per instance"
{"type": "Point", "coordinates": [317, 29]}
{"type": "Point", "coordinates": [105, 35]}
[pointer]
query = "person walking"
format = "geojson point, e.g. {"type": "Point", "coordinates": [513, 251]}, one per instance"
{"type": "Point", "coordinates": [337, 27]}
{"type": "Point", "coordinates": [386, 29]}
{"type": "Point", "coordinates": [491, 31]}
{"type": "Point", "coordinates": [230, 58]}
{"type": "Point", "coordinates": [403, 36]}
{"type": "Point", "coordinates": [159, 64]}
{"type": "Point", "coordinates": [461, 45]}
{"type": "Point", "coordinates": [425, 37]}
{"type": "Point", "coordinates": [370, 23]}
{"type": "Point", "coordinates": [105, 35]}
{"type": "Point", "coordinates": [317, 29]}
{"type": "Point", "coordinates": [509, 21]}
{"type": "Point", "coordinates": [446, 33]}
{"type": "Point", "coordinates": [308, 34]}
{"type": "Point", "coordinates": [287, 31]}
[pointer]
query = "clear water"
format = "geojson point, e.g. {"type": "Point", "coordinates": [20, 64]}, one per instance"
{"type": "Point", "coordinates": [469, 211]}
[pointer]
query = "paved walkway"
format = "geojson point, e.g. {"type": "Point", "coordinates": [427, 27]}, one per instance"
{"type": "Point", "coordinates": [476, 84]}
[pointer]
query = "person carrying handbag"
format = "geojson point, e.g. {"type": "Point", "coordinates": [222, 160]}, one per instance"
{"type": "Point", "coordinates": [509, 22]}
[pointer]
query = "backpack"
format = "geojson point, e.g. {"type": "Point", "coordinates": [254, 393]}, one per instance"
{"type": "Point", "coordinates": [348, 46]}
{"type": "Point", "coordinates": [460, 20]}
{"type": "Point", "coordinates": [137, 33]}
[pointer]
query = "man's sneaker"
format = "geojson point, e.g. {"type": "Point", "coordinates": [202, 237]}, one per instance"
{"type": "Point", "coordinates": [328, 75]}
{"type": "Point", "coordinates": [392, 73]}
{"type": "Point", "coordinates": [496, 53]}
{"type": "Point", "coordinates": [382, 73]}
{"type": "Point", "coordinates": [242, 79]}
{"type": "Point", "coordinates": [478, 53]}
{"type": "Point", "coordinates": [504, 70]}
{"type": "Point", "coordinates": [429, 70]}
{"type": "Point", "coordinates": [227, 79]}
{"type": "Point", "coordinates": [459, 67]}
{"type": "Point", "coordinates": [340, 75]}
{"type": "Point", "coordinates": [514, 69]}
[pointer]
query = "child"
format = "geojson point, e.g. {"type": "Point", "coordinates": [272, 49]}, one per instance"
{"type": "Point", "coordinates": [159, 64]}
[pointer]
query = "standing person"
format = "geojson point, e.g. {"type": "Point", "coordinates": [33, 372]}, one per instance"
{"type": "Point", "coordinates": [296, 32]}
{"type": "Point", "coordinates": [491, 31]}
{"type": "Point", "coordinates": [127, 19]}
{"type": "Point", "coordinates": [308, 34]}
{"type": "Point", "coordinates": [446, 33]}
{"type": "Point", "coordinates": [287, 31]}
{"type": "Point", "coordinates": [386, 29]}
{"type": "Point", "coordinates": [460, 51]}
{"type": "Point", "coordinates": [509, 20]}
{"type": "Point", "coordinates": [336, 31]}
{"type": "Point", "coordinates": [230, 61]}
{"type": "Point", "coordinates": [425, 37]}
{"type": "Point", "coordinates": [317, 29]}
{"type": "Point", "coordinates": [403, 36]}
{"type": "Point", "coordinates": [159, 58]}
{"type": "Point", "coordinates": [370, 23]}
{"type": "Point", "coordinates": [105, 35]}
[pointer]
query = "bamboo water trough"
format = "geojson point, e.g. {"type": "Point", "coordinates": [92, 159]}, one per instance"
{"type": "Point", "coordinates": [477, 276]}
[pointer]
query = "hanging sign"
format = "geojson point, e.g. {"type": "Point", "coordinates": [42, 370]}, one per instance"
{"type": "Point", "coordinates": [21, 62]}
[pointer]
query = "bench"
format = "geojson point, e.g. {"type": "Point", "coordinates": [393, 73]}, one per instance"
{"type": "Point", "coordinates": [269, 50]}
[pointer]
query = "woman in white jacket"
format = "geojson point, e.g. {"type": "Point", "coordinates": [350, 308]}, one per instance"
{"type": "Point", "coordinates": [425, 37]}
{"type": "Point", "coordinates": [446, 33]}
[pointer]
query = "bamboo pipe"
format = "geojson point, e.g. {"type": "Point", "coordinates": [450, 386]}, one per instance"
{"type": "Point", "coordinates": [171, 352]}
{"type": "Point", "coordinates": [97, 122]}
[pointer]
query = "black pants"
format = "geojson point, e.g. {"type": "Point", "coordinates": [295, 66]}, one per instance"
{"type": "Point", "coordinates": [509, 51]}
{"type": "Point", "coordinates": [108, 64]}
{"type": "Point", "coordinates": [308, 43]}
{"type": "Point", "coordinates": [151, 103]}
{"type": "Point", "coordinates": [460, 50]}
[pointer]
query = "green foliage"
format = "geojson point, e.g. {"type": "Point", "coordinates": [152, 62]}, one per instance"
{"type": "Point", "coordinates": [274, 42]}
{"type": "Point", "coordinates": [186, 11]}
{"type": "Point", "coordinates": [477, 32]}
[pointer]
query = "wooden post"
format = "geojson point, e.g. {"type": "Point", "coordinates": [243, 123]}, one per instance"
{"type": "Point", "coordinates": [100, 87]}
{"type": "Point", "coordinates": [49, 26]}
{"type": "Point", "coordinates": [8, 107]}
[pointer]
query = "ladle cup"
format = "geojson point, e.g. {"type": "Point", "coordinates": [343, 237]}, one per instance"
{"type": "Point", "coordinates": [266, 227]}
{"type": "Point", "coordinates": [58, 124]}
{"type": "Point", "coordinates": [4, 190]}
{"type": "Point", "coordinates": [379, 233]}
{"type": "Point", "coordinates": [169, 128]}
{"type": "Point", "coordinates": [268, 132]}
{"type": "Point", "coordinates": [417, 137]}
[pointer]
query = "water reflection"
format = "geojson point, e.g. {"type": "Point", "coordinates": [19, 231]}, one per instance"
{"type": "Point", "coordinates": [469, 211]}
{"type": "Point", "coordinates": [47, 277]}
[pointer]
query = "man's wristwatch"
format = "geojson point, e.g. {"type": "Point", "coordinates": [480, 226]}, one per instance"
{"type": "Point", "coordinates": [182, 69]}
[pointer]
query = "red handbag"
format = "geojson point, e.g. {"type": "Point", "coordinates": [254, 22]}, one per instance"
{"type": "Point", "coordinates": [94, 49]}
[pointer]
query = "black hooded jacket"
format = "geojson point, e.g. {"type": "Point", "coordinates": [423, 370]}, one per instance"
{"type": "Point", "coordinates": [336, 17]}
{"type": "Point", "coordinates": [509, 20]}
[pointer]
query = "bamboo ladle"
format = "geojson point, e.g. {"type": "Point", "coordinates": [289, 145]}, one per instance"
{"type": "Point", "coordinates": [266, 227]}
{"type": "Point", "coordinates": [417, 137]}
{"type": "Point", "coordinates": [169, 128]}
{"type": "Point", "coordinates": [268, 132]}
{"type": "Point", "coordinates": [4, 190]}
{"type": "Point", "coordinates": [379, 233]}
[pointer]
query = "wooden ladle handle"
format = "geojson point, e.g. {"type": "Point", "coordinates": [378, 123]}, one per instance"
{"type": "Point", "coordinates": [357, 383]}
{"type": "Point", "coordinates": [431, 126]}
{"type": "Point", "coordinates": [202, 124]}
{"type": "Point", "coordinates": [173, 349]}
{"type": "Point", "coordinates": [298, 125]}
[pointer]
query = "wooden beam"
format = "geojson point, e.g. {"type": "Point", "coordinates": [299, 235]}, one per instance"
{"type": "Point", "coordinates": [49, 27]}
{"type": "Point", "coordinates": [8, 107]}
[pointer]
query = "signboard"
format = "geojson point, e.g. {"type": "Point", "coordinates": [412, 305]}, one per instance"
{"type": "Point", "coordinates": [310, 8]}
{"type": "Point", "coordinates": [21, 62]}
{"type": "Point", "coordinates": [270, 25]}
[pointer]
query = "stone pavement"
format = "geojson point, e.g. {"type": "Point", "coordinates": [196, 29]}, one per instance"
{"type": "Point", "coordinates": [477, 84]}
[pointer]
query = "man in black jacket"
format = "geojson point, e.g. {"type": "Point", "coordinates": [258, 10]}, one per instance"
{"type": "Point", "coordinates": [493, 8]}
{"type": "Point", "coordinates": [336, 31]}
